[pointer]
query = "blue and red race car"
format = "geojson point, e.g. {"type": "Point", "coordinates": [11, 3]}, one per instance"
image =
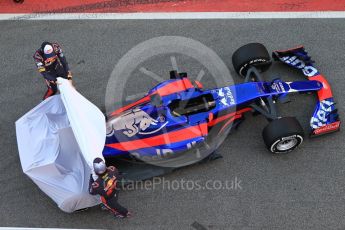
{"type": "Point", "coordinates": [178, 114]}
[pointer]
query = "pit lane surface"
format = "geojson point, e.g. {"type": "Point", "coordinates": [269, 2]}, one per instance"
{"type": "Point", "coordinates": [301, 190]}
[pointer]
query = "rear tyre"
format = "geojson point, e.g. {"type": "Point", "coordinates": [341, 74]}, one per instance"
{"type": "Point", "coordinates": [252, 54]}
{"type": "Point", "coordinates": [283, 135]}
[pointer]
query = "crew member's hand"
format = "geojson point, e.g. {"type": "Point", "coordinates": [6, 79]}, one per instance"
{"type": "Point", "coordinates": [129, 215]}
{"type": "Point", "coordinates": [54, 82]}
{"type": "Point", "coordinates": [69, 76]}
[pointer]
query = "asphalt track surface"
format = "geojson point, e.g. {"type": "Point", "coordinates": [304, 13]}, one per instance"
{"type": "Point", "coordinates": [301, 190]}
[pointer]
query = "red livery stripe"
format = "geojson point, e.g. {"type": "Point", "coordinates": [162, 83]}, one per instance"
{"type": "Point", "coordinates": [166, 138]}
{"type": "Point", "coordinates": [326, 91]}
{"type": "Point", "coordinates": [230, 121]}
{"type": "Point", "coordinates": [227, 116]}
{"type": "Point", "coordinates": [141, 101]}
{"type": "Point", "coordinates": [174, 87]}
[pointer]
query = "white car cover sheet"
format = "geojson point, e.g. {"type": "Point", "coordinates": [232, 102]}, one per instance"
{"type": "Point", "coordinates": [57, 142]}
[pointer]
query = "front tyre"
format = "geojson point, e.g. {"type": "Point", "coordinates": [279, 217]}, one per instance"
{"type": "Point", "coordinates": [251, 55]}
{"type": "Point", "coordinates": [283, 135]}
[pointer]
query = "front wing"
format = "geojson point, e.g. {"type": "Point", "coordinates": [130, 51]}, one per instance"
{"type": "Point", "coordinates": [325, 118]}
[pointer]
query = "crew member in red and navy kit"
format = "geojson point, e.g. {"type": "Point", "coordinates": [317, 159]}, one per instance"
{"type": "Point", "coordinates": [51, 63]}
{"type": "Point", "coordinates": [105, 185]}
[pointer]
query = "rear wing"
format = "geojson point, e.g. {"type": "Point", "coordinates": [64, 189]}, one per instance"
{"type": "Point", "coordinates": [325, 118]}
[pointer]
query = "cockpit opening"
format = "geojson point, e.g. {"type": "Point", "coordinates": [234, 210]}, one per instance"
{"type": "Point", "coordinates": [203, 103]}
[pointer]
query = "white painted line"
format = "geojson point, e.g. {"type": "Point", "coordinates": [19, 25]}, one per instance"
{"type": "Point", "coordinates": [194, 15]}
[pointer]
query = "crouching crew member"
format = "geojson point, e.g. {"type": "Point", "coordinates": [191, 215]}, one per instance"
{"type": "Point", "coordinates": [106, 186]}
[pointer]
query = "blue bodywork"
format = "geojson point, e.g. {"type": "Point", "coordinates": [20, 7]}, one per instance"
{"type": "Point", "coordinates": [189, 115]}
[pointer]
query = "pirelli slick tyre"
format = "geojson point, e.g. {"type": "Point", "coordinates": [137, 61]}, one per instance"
{"type": "Point", "coordinates": [252, 54]}
{"type": "Point", "coordinates": [283, 135]}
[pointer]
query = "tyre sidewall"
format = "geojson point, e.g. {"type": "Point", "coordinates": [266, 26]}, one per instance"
{"type": "Point", "coordinates": [251, 55]}
{"type": "Point", "coordinates": [257, 62]}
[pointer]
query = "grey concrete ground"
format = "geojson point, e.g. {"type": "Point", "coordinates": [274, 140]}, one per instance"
{"type": "Point", "coordinates": [301, 190]}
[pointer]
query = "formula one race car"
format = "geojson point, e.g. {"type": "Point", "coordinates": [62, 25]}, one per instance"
{"type": "Point", "coordinates": [178, 114]}
{"type": "Point", "coordinates": [178, 123]}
